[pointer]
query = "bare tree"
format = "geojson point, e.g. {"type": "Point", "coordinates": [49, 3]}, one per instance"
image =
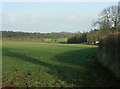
{"type": "Point", "coordinates": [108, 18]}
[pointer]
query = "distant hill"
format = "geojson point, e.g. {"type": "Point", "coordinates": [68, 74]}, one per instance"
{"type": "Point", "coordinates": [11, 34]}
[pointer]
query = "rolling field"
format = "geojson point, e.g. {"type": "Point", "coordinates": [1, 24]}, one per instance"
{"type": "Point", "coordinates": [35, 64]}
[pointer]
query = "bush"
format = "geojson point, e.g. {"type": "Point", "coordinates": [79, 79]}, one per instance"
{"type": "Point", "coordinates": [110, 51]}
{"type": "Point", "coordinates": [78, 38]}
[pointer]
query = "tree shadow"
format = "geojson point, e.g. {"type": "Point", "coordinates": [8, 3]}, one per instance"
{"type": "Point", "coordinates": [88, 73]}
{"type": "Point", "coordinates": [23, 57]}
{"type": "Point", "coordinates": [62, 42]}
{"type": "Point", "coordinates": [78, 57]}
{"type": "Point", "coordinates": [92, 74]}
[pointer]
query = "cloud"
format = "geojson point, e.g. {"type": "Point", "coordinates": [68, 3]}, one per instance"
{"type": "Point", "coordinates": [45, 22]}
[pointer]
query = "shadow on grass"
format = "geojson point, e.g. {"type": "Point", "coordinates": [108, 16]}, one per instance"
{"type": "Point", "coordinates": [62, 42]}
{"type": "Point", "coordinates": [23, 57]}
{"type": "Point", "coordinates": [89, 72]}
{"type": "Point", "coordinates": [92, 73]}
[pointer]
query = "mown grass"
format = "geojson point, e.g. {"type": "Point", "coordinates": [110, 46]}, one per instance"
{"type": "Point", "coordinates": [35, 64]}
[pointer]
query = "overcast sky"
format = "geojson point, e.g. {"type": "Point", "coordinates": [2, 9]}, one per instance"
{"type": "Point", "coordinates": [47, 17]}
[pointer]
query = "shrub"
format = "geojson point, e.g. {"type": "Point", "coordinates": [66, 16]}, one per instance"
{"type": "Point", "coordinates": [78, 38]}
{"type": "Point", "coordinates": [109, 50]}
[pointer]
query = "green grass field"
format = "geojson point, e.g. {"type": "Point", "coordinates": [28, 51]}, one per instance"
{"type": "Point", "coordinates": [42, 40]}
{"type": "Point", "coordinates": [35, 64]}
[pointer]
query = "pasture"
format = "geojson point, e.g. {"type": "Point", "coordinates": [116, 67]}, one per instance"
{"type": "Point", "coordinates": [36, 64]}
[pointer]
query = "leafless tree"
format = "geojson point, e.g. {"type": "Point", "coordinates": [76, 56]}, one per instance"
{"type": "Point", "coordinates": [108, 18]}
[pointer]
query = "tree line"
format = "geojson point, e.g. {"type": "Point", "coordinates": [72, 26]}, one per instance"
{"type": "Point", "coordinates": [11, 34]}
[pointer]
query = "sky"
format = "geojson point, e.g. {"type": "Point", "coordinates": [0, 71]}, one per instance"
{"type": "Point", "coordinates": [45, 17]}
